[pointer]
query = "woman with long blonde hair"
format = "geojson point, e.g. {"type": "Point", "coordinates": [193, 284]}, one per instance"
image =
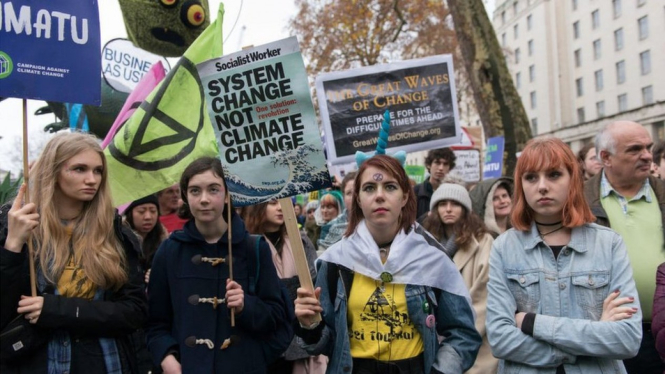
{"type": "Point", "coordinates": [89, 283]}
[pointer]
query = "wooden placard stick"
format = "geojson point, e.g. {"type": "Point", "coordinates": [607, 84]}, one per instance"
{"type": "Point", "coordinates": [26, 180]}
{"type": "Point", "coordinates": [299, 257]}
{"type": "Point", "coordinates": [229, 208]}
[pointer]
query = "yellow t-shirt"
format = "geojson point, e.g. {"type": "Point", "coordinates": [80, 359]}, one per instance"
{"type": "Point", "coordinates": [379, 323]}
{"type": "Point", "coordinates": [73, 282]}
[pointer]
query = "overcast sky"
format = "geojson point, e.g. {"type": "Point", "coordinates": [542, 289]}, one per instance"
{"type": "Point", "coordinates": [246, 22]}
{"type": "Point", "coordinates": [256, 22]}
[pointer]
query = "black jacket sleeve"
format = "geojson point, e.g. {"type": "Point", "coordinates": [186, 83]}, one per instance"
{"type": "Point", "coordinates": [14, 274]}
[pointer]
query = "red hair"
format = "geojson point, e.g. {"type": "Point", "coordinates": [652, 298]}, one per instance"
{"type": "Point", "coordinates": [550, 153]}
{"type": "Point", "coordinates": [393, 168]}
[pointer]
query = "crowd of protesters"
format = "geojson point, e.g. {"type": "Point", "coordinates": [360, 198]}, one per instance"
{"type": "Point", "coordinates": [559, 268]}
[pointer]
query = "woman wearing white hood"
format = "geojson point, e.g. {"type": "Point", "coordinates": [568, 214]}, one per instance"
{"type": "Point", "coordinates": [491, 200]}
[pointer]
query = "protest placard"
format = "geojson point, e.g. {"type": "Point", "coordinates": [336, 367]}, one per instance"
{"type": "Point", "coordinates": [50, 50]}
{"type": "Point", "coordinates": [124, 64]}
{"type": "Point", "coordinates": [467, 165]}
{"type": "Point", "coordinates": [420, 95]}
{"type": "Point", "coordinates": [494, 158]}
{"type": "Point", "coordinates": [261, 111]}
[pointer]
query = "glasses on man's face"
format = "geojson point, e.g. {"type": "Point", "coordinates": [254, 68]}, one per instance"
{"type": "Point", "coordinates": [311, 211]}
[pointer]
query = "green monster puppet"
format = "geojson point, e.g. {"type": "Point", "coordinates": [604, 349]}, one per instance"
{"type": "Point", "coordinates": [164, 27]}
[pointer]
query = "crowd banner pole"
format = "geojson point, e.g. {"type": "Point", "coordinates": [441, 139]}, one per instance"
{"type": "Point", "coordinates": [299, 257]}
{"type": "Point", "coordinates": [229, 229]}
{"type": "Point", "coordinates": [26, 180]}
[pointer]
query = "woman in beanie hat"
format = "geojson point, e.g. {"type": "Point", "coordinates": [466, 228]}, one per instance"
{"type": "Point", "coordinates": [468, 243]}
{"type": "Point", "coordinates": [142, 216]}
{"type": "Point", "coordinates": [311, 228]}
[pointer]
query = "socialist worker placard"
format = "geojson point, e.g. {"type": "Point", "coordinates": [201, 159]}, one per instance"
{"type": "Point", "coordinates": [260, 107]}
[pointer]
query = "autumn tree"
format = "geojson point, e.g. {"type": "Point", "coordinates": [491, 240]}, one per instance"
{"type": "Point", "coordinates": [497, 101]}
{"type": "Point", "coordinates": [340, 35]}
{"type": "Point", "coordinates": [337, 35]}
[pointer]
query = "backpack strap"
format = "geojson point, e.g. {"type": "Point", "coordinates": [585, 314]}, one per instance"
{"type": "Point", "coordinates": [331, 277]}
{"type": "Point", "coordinates": [334, 273]}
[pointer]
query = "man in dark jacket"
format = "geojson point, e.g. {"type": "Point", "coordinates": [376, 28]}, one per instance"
{"type": "Point", "coordinates": [625, 197]}
{"type": "Point", "coordinates": [439, 162]}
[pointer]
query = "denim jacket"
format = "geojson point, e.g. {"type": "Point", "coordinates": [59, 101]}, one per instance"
{"type": "Point", "coordinates": [567, 296]}
{"type": "Point", "coordinates": [454, 321]}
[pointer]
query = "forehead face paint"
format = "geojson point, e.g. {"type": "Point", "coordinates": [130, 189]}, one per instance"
{"type": "Point", "coordinates": [378, 177]}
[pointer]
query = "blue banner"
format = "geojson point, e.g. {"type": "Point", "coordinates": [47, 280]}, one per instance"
{"type": "Point", "coordinates": [493, 158]}
{"type": "Point", "coordinates": [50, 50]}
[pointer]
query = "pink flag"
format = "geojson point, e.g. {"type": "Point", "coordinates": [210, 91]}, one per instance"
{"type": "Point", "coordinates": [150, 80]}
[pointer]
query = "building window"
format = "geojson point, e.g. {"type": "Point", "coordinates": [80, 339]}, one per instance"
{"type": "Point", "coordinates": [622, 102]}
{"type": "Point", "coordinates": [578, 58]}
{"type": "Point", "coordinates": [576, 29]}
{"type": "Point", "coordinates": [596, 49]}
{"type": "Point", "coordinates": [518, 80]}
{"type": "Point", "coordinates": [580, 115]}
{"type": "Point", "coordinates": [534, 126]}
{"type": "Point", "coordinates": [532, 96]}
{"type": "Point", "coordinates": [621, 71]}
{"type": "Point", "coordinates": [598, 74]}
{"type": "Point", "coordinates": [517, 55]}
{"type": "Point", "coordinates": [574, 4]}
{"type": "Point", "coordinates": [579, 87]}
{"type": "Point", "coordinates": [503, 39]}
{"type": "Point", "coordinates": [532, 73]}
{"type": "Point", "coordinates": [616, 5]}
{"type": "Point", "coordinates": [641, 2]}
{"type": "Point", "coordinates": [600, 109]}
{"type": "Point", "coordinates": [643, 27]}
{"type": "Point", "coordinates": [529, 22]}
{"type": "Point", "coordinates": [618, 39]}
{"type": "Point", "coordinates": [647, 95]}
{"type": "Point", "coordinates": [645, 62]}
{"type": "Point", "coordinates": [516, 31]}
{"type": "Point", "coordinates": [530, 44]}
{"type": "Point", "coordinates": [515, 8]}
{"type": "Point", "coordinates": [503, 17]}
{"type": "Point", "coordinates": [595, 19]}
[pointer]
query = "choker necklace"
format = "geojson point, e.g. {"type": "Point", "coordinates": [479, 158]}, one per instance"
{"type": "Point", "coordinates": [385, 245]}
{"type": "Point", "coordinates": [384, 249]}
{"type": "Point", "coordinates": [549, 232]}
{"type": "Point", "coordinates": [548, 224]}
